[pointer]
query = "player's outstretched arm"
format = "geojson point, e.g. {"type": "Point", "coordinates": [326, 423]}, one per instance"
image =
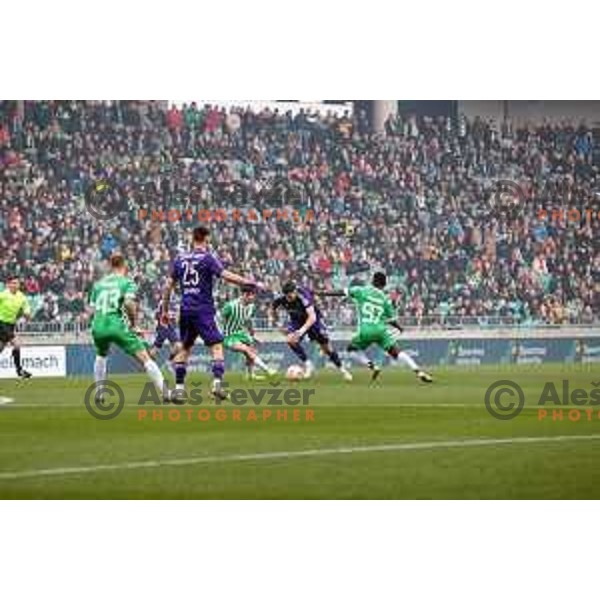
{"type": "Point", "coordinates": [235, 279]}
{"type": "Point", "coordinates": [394, 323]}
{"type": "Point", "coordinates": [332, 294]}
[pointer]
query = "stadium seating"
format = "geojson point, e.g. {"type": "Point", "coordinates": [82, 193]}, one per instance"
{"type": "Point", "coordinates": [420, 201]}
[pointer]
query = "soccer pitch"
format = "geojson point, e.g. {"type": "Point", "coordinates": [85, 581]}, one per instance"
{"type": "Point", "coordinates": [396, 438]}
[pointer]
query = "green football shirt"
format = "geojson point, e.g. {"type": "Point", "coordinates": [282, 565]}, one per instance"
{"type": "Point", "coordinates": [108, 297]}
{"type": "Point", "coordinates": [373, 305]}
{"type": "Point", "coordinates": [236, 316]}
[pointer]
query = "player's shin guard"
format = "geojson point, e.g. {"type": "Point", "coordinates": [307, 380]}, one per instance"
{"type": "Point", "coordinates": [155, 374]}
{"type": "Point", "coordinates": [180, 373]}
{"type": "Point", "coordinates": [299, 351]}
{"type": "Point", "coordinates": [100, 369]}
{"type": "Point", "coordinates": [16, 354]}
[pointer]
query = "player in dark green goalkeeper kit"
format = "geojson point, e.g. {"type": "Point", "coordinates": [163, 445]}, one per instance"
{"type": "Point", "coordinates": [239, 336]}
{"type": "Point", "coordinates": [113, 299]}
{"type": "Point", "coordinates": [376, 315]}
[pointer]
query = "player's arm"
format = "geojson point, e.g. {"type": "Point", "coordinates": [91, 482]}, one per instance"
{"type": "Point", "coordinates": [390, 317]}
{"type": "Point", "coordinates": [354, 291]}
{"type": "Point", "coordinates": [90, 308]}
{"type": "Point", "coordinates": [226, 312]}
{"type": "Point", "coordinates": [235, 279]}
{"type": "Point", "coordinates": [130, 304]}
{"type": "Point", "coordinates": [310, 320]}
{"type": "Point", "coordinates": [332, 294]}
{"type": "Point", "coordinates": [250, 327]}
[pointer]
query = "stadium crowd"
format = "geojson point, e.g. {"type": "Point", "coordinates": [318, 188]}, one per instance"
{"type": "Point", "coordinates": [419, 200]}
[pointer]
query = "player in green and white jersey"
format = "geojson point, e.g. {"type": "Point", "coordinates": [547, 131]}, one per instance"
{"type": "Point", "coordinates": [239, 336]}
{"type": "Point", "coordinates": [113, 300]}
{"type": "Point", "coordinates": [375, 314]}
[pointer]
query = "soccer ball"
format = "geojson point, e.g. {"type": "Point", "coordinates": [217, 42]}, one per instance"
{"type": "Point", "coordinates": [294, 373]}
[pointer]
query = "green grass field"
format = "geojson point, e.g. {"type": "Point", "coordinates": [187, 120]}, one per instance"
{"type": "Point", "coordinates": [395, 439]}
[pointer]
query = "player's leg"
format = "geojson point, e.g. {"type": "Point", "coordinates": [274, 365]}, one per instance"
{"type": "Point", "coordinates": [135, 346]}
{"type": "Point", "coordinates": [5, 335]}
{"type": "Point", "coordinates": [218, 370]}
{"type": "Point", "coordinates": [16, 354]}
{"type": "Point", "coordinates": [102, 344]}
{"type": "Point", "coordinates": [357, 349]}
{"type": "Point", "coordinates": [244, 346]}
{"type": "Point", "coordinates": [298, 350]}
{"type": "Point", "coordinates": [213, 339]}
{"type": "Point", "coordinates": [165, 333]}
{"type": "Point", "coordinates": [316, 334]}
{"type": "Point", "coordinates": [154, 372]}
{"type": "Point", "coordinates": [188, 332]}
{"type": "Point", "coordinates": [401, 356]}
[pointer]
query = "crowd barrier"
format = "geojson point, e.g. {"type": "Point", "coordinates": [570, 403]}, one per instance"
{"type": "Point", "coordinates": [78, 359]}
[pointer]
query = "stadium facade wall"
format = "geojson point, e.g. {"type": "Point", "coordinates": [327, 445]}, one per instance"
{"type": "Point", "coordinates": [533, 111]}
{"type": "Point", "coordinates": [431, 352]}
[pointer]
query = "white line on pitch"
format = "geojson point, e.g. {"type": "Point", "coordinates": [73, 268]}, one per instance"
{"type": "Point", "coordinates": [317, 452]}
{"type": "Point", "coordinates": [358, 403]}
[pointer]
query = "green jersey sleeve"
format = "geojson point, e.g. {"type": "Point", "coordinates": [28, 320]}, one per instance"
{"type": "Point", "coordinates": [227, 310]}
{"type": "Point", "coordinates": [356, 292]}
{"type": "Point", "coordinates": [92, 295]}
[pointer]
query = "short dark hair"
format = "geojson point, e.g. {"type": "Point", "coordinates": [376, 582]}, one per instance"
{"type": "Point", "coordinates": [200, 233]}
{"type": "Point", "coordinates": [288, 287]}
{"type": "Point", "coordinates": [248, 289]}
{"type": "Point", "coordinates": [117, 261]}
{"type": "Point", "coordinates": [379, 279]}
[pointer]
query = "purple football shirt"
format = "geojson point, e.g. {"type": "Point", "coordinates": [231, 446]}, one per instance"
{"type": "Point", "coordinates": [195, 273]}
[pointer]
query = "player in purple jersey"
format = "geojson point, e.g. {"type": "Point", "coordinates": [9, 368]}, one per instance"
{"type": "Point", "coordinates": [305, 319]}
{"type": "Point", "coordinates": [195, 273]}
{"type": "Point", "coordinates": [166, 333]}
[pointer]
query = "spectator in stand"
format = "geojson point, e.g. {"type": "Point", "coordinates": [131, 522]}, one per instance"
{"type": "Point", "coordinates": [417, 201]}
